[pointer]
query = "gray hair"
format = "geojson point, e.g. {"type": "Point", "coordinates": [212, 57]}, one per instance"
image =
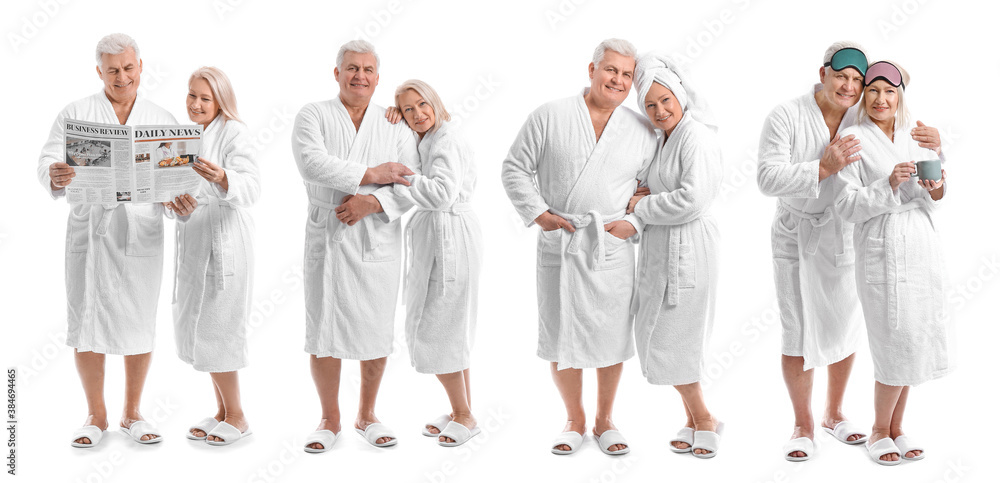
{"type": "Point", "coordinates": [843, 44]}
{"type": "Point", "coordinates": [359, 47]}
{"type": "Point", "coordinates": [115, 44]}
{"type": "Point", "coordinates": [623, 47]}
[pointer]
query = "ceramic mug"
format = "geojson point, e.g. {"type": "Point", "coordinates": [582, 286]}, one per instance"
{"type": "Point", "coordinates": [929, 170]}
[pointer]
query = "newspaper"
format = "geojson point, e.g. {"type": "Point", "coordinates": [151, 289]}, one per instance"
{"type": "Point", "coordinates": [131, 164]}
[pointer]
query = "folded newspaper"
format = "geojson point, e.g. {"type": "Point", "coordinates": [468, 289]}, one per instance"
{"type": "Point", "coordinates": [131, 164]}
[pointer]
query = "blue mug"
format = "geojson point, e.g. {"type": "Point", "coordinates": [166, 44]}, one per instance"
{"type": "Point", "coordinates": [929, 170]}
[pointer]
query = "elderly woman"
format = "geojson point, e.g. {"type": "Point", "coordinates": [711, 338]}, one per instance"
{"type": "Point", "coordinates": [899, 267]}
{"type": "Point", "coordinates": [679, 247]}
{"type": "Point", "coordinates": [213, 277]}
{"type": "Point", "coordinates": [445, 248]}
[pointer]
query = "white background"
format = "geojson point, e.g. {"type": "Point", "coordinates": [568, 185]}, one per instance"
{"type": "Point", "coordinates": [493, 62]}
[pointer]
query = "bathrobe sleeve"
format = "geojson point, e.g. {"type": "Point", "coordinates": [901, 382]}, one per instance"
{"type": "Point", "coordinates": [241, 168]}
{"type": "Point", "coordinates": [701, 178]}
{"type": "Point", "coordinates": [519, 168]}
{"type": "Point", "coordinates": [778, 173]}
{"type": "Point", "coordinates": [315, 163]}
{"type": "Point", "coordinates": [860, 199]}
{"type": "Point", "coordinates": [393, 205]}
{"type": "Point", "coordinates": [439, 186]}
{"type": "Point", "coordinates": [52, 152]}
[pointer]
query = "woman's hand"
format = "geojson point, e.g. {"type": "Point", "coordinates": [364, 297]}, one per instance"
{"type": "Point", "coordinates": [393, 115]}
{"type": "Point", "coordinates": [934, 187]}
{"type": "Point", "coordinates": [213, 173]}
{"type": "Point", "coordinates": [620, 229]}
{"type": "Point", "coordinates": [183, 205]}
{"type": "Point", "coordinates": [901, 173]}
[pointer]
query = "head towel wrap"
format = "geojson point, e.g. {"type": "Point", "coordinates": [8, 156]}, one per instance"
{"type": "Point", "coordinates": [660, 68]}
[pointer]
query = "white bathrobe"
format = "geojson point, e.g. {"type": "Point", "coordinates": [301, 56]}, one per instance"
{"type": "Point", "coordinates": [445, 253]}
{"type": "Point", "coordinates": [584, 279]}
{"type": "Point", "coordinates": [351, 272]}
{"type": "Point", "coordinates": [213, 270]}
{"type": "Point", "coordinates": [678, 264]}
{"type": "Point", "coordinates": [114, 253]}
{"type": "Point", "coordinates": [813, 256]}
{"type": "Point", "coordinates": [900, 268]}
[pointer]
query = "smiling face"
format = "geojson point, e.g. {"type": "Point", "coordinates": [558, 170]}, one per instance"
{"type": "Point", "coordinates": [418, 112]}
{"type": "Point", "coordinates": [357, 77]}
{"type": "Point", "coordinates": [611, 80]}
{"type": "Point", "coordinates": [120, 73]}
{"type": "Point", "coordinates": [662, 108]}
{"type": "Point", "coordinates": [201, 105]}
{"type": "Point", "coordinates": [842, 87]}
{"type": "Point", "coordinates": [881, 101]}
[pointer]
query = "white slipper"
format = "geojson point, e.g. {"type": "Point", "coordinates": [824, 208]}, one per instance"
{"type": "Point", "coordinates": [457, 432]}
{"type": "Point", "coordinates": [374, 431]}
{"type": "Point", "coordinates": [324, 437]}
{"type": "Point", "coordinates": [138, 429]}
{"type": "Point", "coordinates": [802, 444]}
{"type": "Point", "coordinates": [844, 430]}
{"type": "Point", "coordinates": [570, 438]}
{"type": "Point", "coordinates": [229, 434]}
{"type": "Point", "coordinates": [684, 435]}
{"type": "Point", "coordinates": [881, 448]}
{"type": "Point", "coordinates": [205, 425]}
{"type": "Point", "coordinates": [708, 440]}
{"type": "Point", "coordinates": [612, 437]}
{"type": "Point", "coordinates": [906, 445]}
{"type": "Point", "coordinates": [90, 431]}
{"type": "Point", "coordinates": [439, 422]}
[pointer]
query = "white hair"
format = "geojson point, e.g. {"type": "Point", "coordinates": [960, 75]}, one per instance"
{"type": "Point", "coordinates": [115, 44]}
{"type": "Point", "coordinates": [359, 47]}
{"type": "Point", "coordinates": [623, 47]}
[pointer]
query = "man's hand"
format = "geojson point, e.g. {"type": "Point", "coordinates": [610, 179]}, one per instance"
{"type": "Point", "coordinates": [926, 137]}
{"type": "Point", "coordinates": [60, 175]}
{"type": "Point", "coordinates": [901, 173]}
{"type": "Point", "coordinates": [640, 193]}
{"type": "Point", "coordinates": [620, 229]}
{"type": "Point", "coordinates": [354, 208]}
{"type": "Point", "coordinates": [549, 221]}
{"type": "Point", "coordinates": [183, 205]}
{"type": "Point", "coordinates": [838, 154]}
{"type": "Point", "coordinates": [387, 173]}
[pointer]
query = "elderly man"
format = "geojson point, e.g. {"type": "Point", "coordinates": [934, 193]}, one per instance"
{"type": "Point", "coordinates": [114, 252]}
{"type": "Point", "coordinates": [348, 156]}
{"type": "Point", "coordinates": [571, 171]}
{"type": "Point", "coordinates": [800, 156]}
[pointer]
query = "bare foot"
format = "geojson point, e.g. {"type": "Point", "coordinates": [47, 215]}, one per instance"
{"type": "Point", "coordinates": [93, 420]}
{"type": "Point", "coordinates": [575, 426]}
{"type": "Point", "coordinates": [681, 444]}
{"type": "Point", "coordinates": [602, 425]}
{"type": "Point", "coordinates": [127, 421]}
{"type": "Point", "coordinates": [801, 432]}
{"type": "Point", "coordinates": [219, 416]}
{"type": "Point", "coordinates": [710, 424]}
{"type": "Point", "coordinates": [830, 421]}
{"type": "Point", "coordinates": [897, 432]}
{"type": "Point", "coordinates": [434, 430]}
{"type": "Point", "coordinates": [238, 421]}
{"type": "Point", "coordinates": [465, 419]}
{"type": "Point", "coordinates": [878, 434]}
{"type": "Point", "coordinates": [363, 423]}
{"type": "Point", "coordinates": [329, 424]}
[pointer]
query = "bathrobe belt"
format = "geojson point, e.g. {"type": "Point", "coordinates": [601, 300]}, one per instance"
{"type": "Point", "coordinates": [218, 247]}
{"type": "Point", "coordinates": [666, 280]}
{"type": "Point", "coordinates": [895, 257]}
{"type": "Point", "coordinates": [442, 232]}
{"type": "Point", "coordinates": [340, 228]}
{"type": "Point", "coordinates": [818, 221]}
{"type": "Point", "coordinates": [592, 217]}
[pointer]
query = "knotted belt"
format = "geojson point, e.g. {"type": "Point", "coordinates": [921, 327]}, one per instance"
{"type": "Point", "coordinates": [818, 221]}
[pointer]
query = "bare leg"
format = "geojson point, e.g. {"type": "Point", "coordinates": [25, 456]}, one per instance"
{"type": "Point", "coordinates": [461, 412]}
{"type": "Point", "coordinates": [468, 386]}
{"type": "Point", "coordinates": [799, 384]}
{"type": "Point", "coordinates": [228, 385]}
{"type": "Point", "coordinates": [839, 373]}
{"type": "Point", "coordinates": [136, 369]}
{"type": "Point", "coordinates": [90, 367]}
{"type": "Point", "coordinates": [886, 398]}
{"type": "Point", "coordinates": [570, 385]}
{"type": "Point", "coordinates": [694, 401]}
{"type": "Point", "coordinates": [688, 424]}
{"type": "Point", "coordinates": [607, 388]}
{"type": "Point", "coordinates": [371, 379]}
{"type": "Point", "coordinates": [326, 376]}
{"type": "Point", "coordinates": [220, 414]}
{"type": "Point", "coordinates": [896, 424]}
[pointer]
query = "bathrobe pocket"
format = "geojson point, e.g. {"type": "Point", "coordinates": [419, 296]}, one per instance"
{"type": "Point", "coordinates": [686, 269]}
{"type": "Point", "coordinates": [875, 261]}
{"type": "Point", "coordinates": [550, 248]}
{"type": "Point", "coordinates": [78, 231]}
{"type": "Point", "coordinates": [145, 233]}
{"type": "Point", "coordinates": [315, 243]}
{"type": "Point", "coordinates": [615, 253]}
{"type": "Point", "coordinates": [384, 247]}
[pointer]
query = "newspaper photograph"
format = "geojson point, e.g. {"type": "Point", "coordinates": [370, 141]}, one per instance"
{"type": "Point", "coordinates": [130, 164]}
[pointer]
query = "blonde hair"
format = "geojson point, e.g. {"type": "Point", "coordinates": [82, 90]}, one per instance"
{"type": "Point", "coordinates": [222, 89]}
{"type": "Point", "coordinates": [902, 116]}
{"type": "Point", "coordinates": [430, 95]}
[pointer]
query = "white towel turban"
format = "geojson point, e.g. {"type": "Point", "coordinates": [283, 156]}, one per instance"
{"type": "Point", "coordinates": [660, 68]}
